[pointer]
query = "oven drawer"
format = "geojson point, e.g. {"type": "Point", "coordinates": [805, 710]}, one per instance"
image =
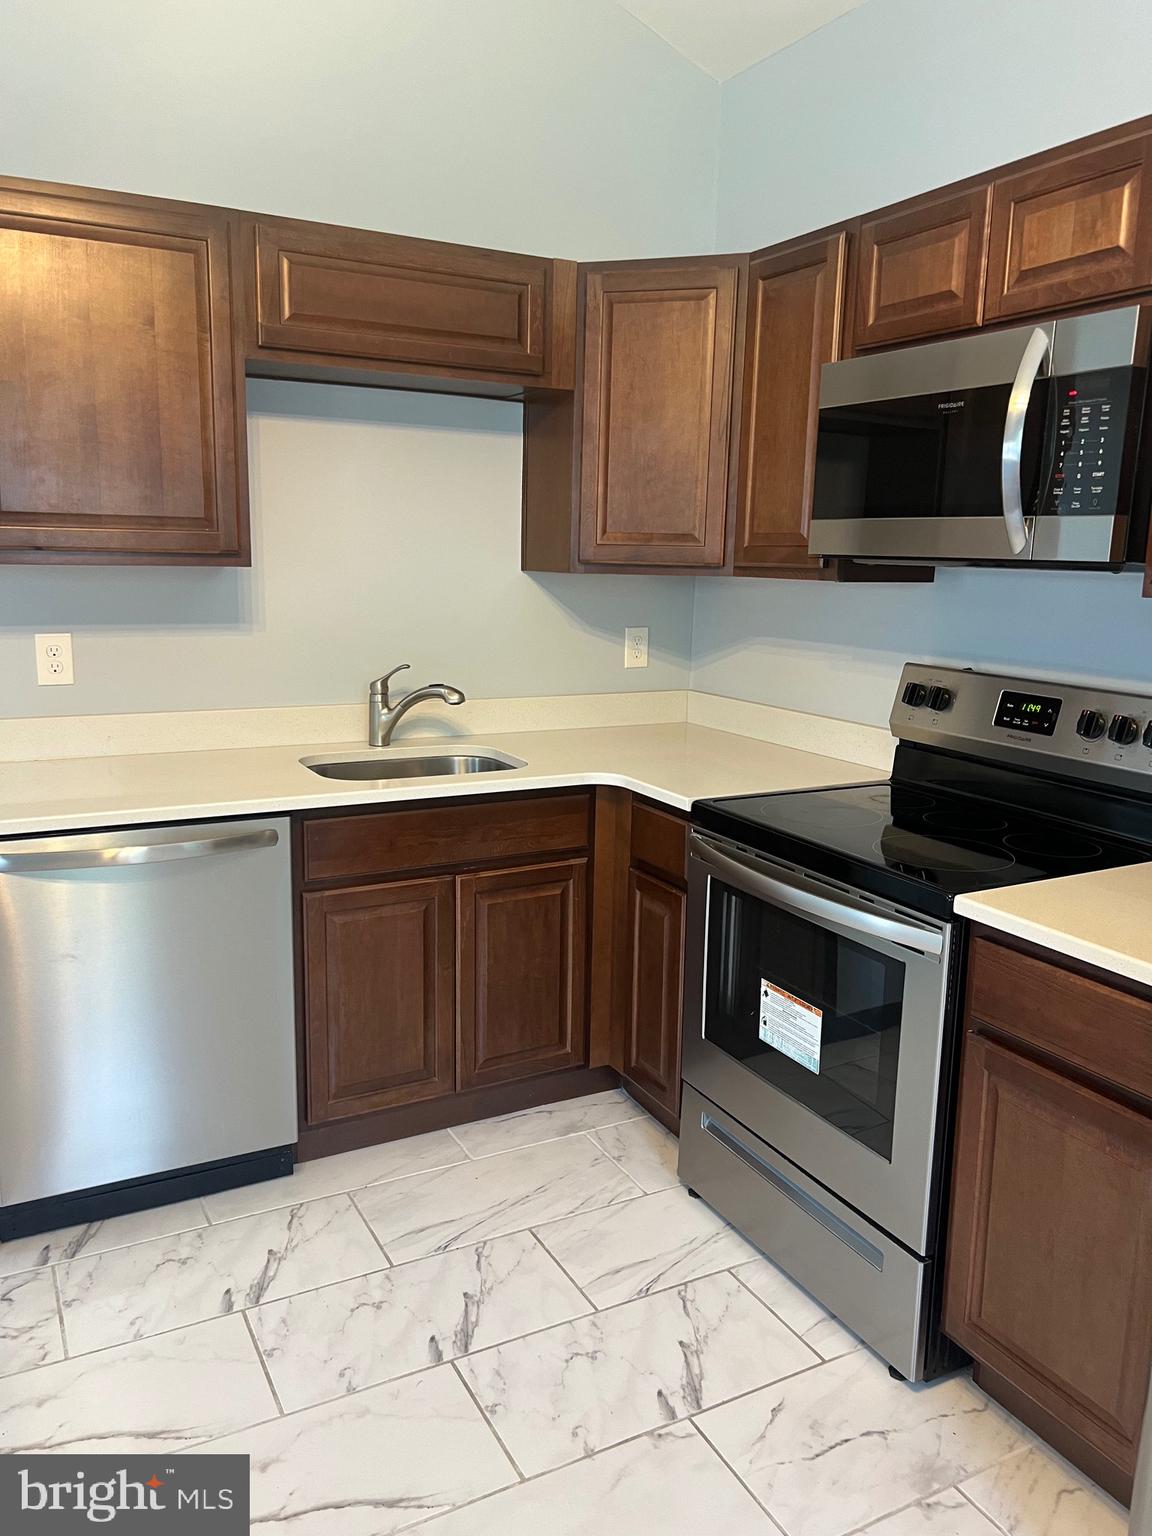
{"type": "Point", "coordinates": [876, 1287]}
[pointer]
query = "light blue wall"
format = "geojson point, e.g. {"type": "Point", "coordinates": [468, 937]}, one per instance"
{"type": "Point", "coordinates": [386, 526]}
{"type": "Point", "coordinates": [895, 98]}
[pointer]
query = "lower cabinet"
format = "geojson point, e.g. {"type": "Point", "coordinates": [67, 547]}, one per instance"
{"type": "Point", "coordinates": [380, 997]}
{"type": "Point", "coordinates": [522, 960]}
{"type": "Point", "coordinates": [441, 951]}
{"type": "Point", "coordinates": [1049, 1274]}
{"type": "Point", "coordinates": [656, 938]}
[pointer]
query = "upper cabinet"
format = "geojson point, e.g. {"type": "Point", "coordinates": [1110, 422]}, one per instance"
{"type": "Point", "coordinates": [659, 346]}
{"type": "Point", "coordinates": [633, 471]}
{"type": "Point", "coordinates": [920, 268]}
{"type": "Point", "coordinates": [1072, 229]}
{"type": "Point", "coordinates": [121, 389]}
{"type": "Point", "coordinates": [325, 294]}
{"type": "Point", "coordinates": [795, 306]}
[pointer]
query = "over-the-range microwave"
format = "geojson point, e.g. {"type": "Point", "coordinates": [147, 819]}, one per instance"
{"type": "Point", "coordinates": [1012, 445]}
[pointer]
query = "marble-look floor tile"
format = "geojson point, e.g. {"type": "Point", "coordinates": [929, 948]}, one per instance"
{"type": "Point", "coordinates": [504, 1133]}
{"type": "Point", "coordinates": [585, 1385]}
{"type": "Point", "coordinates": [946, 1514]}
{"type": "Point", "coordinates": [100, 1236]}
{"type": "Point", "coordinates": [645, 1151]}
{"type": "Point", "coordinates": [1036, 1493]}
{"type": "Point", "coordinates": [432, 1212]}
{"type": "Point", "coordinates": [159, 1394]}
{"type": "Point", "coordinates": [29, 1322]}
{"type": "Point", "coordinates": [345, 1337]}
{"type": "Point", "coordinates": [338, 1175]}
{"type": "Point", "coordinates": [661, 1241]}
{"type": "Point", "coordinates": [668, 1481]}
{"type": "Point", "coordinates": [130, 1293]}
{"type": "Point", "coordinates": [372, 1463]}
{"type": "Point", "coordinates": [841, 1445]}
{"type": "Point", "coordinates": [802, 1312]}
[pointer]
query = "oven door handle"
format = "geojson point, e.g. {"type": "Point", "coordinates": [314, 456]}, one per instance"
{"type": "Point", "coordinates": [796, 895]}
{"type": "Point", "coordinates": [1012, 449]}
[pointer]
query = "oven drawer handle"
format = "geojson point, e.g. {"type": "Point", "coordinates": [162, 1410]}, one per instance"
{"type": "Point", "coordinates": [796, 896]}
{"type": "Point", "coordinates": [1012, 450]}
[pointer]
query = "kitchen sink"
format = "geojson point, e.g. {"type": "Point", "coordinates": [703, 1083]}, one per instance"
{"type": "Point", "coordinates": [426, 765]}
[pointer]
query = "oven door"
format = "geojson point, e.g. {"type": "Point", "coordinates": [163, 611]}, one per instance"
{"type": "Point", "coordinates": [937, 452]}
{"type": "Point", "coordinates": [816, 1017]}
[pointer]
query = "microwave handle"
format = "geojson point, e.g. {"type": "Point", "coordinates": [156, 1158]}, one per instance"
{"type": "Point", "coordinates": [1039, 345]}
{"type": "Point", "coordinates": [796, 895]}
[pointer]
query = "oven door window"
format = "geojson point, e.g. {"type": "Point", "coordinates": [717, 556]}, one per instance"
{"type": "Point", "coordinates": [837, 1002]}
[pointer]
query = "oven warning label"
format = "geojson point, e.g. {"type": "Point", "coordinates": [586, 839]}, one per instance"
{"type": "Point", "coordinates": [791, 1025]}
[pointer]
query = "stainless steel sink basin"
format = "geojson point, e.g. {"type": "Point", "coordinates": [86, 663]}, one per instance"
{"type": "Point", "coordinates": [390, 764]}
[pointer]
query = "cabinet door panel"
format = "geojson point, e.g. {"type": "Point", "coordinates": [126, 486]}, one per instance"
{"type": "Point", "coordinates": [522, 961]}
{"type": "Point", "coordinates": [795, 304]}
{"type": "Point", "coordinates": [379, 991]}
{"type": "Point", "coordinates": [656, 924]}
{"type": "Point", "coordinates": [388, 298]}
{"type": "Point", "coordinates": [1074, 229]}
{"type": "Point", "coordinates": [1050, 1262]}
{"type": "Point", "coordinates": [921, 270]}
{"type": "Point", "coordinates": [658, 357]}
{"type": "Point", "coordinates": [121, 400]}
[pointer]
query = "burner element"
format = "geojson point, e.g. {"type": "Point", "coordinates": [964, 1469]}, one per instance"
{"type": "Point", "coordinates": [1056, 844]}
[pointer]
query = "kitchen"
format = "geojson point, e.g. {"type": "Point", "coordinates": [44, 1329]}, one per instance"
{"type": "Point", "coordinates": [296, 418]}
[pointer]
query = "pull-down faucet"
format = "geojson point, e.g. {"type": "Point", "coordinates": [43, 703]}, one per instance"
{"type": "Point", "coordinates": [384, 716]}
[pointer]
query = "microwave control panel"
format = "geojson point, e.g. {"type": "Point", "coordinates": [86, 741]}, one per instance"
{"type": "Point", "coordinates": [1091, 414]}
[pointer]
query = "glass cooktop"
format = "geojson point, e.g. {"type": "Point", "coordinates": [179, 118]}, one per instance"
{"type": "Point", "coordinates": [947, 844]}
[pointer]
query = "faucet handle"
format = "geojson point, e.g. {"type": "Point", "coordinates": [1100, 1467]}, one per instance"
{"type": "Point", "coordinates": [380, 686]}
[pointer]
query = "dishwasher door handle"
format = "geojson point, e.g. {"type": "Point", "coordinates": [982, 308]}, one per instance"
{"type": "Point", "coordinates": [60, 853]}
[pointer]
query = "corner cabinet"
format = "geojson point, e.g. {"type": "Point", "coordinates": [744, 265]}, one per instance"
{"type": "Point", "coordinates": [442, 949]}
{"type": "Point", "coordinates": [1049, 1267]}
{"type": "Point", "coordinates": [795, 310]}
{"type": "Point", "coordinates": [633, 472]}
{"type": "Point", "coordinates": [121, 388]}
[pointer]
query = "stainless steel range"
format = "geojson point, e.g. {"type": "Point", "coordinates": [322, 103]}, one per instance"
{"type": "Point", "coordinates": [825, 968]}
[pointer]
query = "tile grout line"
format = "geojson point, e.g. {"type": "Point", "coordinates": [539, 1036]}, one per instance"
{"type": "Point", "coordinates": [371, 1232]}
{"type": "Point", "coordinates": [495, 1433]}
{"type": "Point", "coordinates": [728, 1467]}
{"type": "Point", "coordinates": [604, 1152]}
{"type": "Point", "coordinates": [782, 1321]}
{"type": "Point", "coordinates": [968, 1499]}
{"type": "Point", "coordinates": [263, 1364]}
{"type": "Point", "coordinates": [539, 1241]}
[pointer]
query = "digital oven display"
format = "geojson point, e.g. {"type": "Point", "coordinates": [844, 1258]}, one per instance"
{"type": "Point", "coordinates": [1034, 712]}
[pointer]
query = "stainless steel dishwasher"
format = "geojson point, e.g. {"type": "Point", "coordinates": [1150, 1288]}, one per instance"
{"type": "Point", "coordinates": [147, 1033]}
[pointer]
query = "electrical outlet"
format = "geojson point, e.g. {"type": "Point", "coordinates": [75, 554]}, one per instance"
{"type": "Point", "coordinates": [54, 659]}
{"type": "Point", "coordinates": [636, 647]}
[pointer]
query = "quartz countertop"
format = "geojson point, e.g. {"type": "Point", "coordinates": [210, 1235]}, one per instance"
{"type": "Point", "coordinates": [1103, 918]}
{"type": "Point", "coordinates": [675, 764]}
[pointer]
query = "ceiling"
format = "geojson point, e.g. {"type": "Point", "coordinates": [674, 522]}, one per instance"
{"type": "Point", "coordinates": [723, 37]}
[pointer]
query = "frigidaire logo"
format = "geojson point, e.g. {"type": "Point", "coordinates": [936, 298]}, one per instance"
{"type": "Point", "coordinates": [951, 405]}
{"type": "Point", "coordinates": [58, 1494]}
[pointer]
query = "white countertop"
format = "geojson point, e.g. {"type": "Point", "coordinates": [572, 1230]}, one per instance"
{"type": "Point", "coordinates": [675, 764]}
{"type": "Point", "coordinates": [1103, 918]}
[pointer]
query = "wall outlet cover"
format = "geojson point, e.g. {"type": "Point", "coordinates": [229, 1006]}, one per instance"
{"type": "Point", "coordinates": [636, 647]}
{"type": "Point", "coordinates": [54, 660]}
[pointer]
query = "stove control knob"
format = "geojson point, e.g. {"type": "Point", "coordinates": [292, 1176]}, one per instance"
{"type": "Point", "coordinates": [1123, 730]}
{"type": "Point", "coordinates": [1148, 734]}
{"type": "Point", "coordinates": [1090, 725]}
{"type": "Point", "coordinates": [915, 694]}
{"type": "Point", "coordinates": [939, 699]}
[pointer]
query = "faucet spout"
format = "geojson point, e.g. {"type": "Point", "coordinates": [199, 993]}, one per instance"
{"type": "Point", "coordinates": [384, 716]}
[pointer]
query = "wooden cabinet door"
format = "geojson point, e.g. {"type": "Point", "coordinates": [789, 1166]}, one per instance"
{"type": "Point", "coordinates": [656, 937]}
{"type": "Point", "coordinates": [795, 304]}
{"type": "Point", "coordinates": [1076, 228]}
{"type": "Point", "coordinates": [523, 951]}
{"type": "Point", "coordinates": [121, 394]}
{"type": "Point", "coordinates": [921, 269]}
{"type": "Point", "coordinates": [387, 298]}
{"type": "Point", "coordinates": [659, 344]}
{"type": "Point", "coordinates": [379, 996]}
{"type": "Point", "coordinates": [1050, 1260]}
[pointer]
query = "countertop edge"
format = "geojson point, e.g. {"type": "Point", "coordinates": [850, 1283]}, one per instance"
{"type": "Point", "coordinates": [1058, 942]}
